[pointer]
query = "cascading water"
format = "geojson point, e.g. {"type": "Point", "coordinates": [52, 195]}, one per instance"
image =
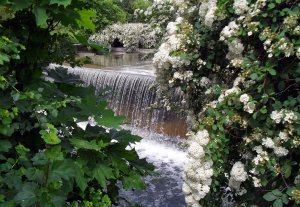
{"type": "Point", "coordinates": [132, 95]}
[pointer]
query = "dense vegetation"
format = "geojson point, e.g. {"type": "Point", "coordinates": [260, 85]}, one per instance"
{"type": "Point", "coordinates": [237, 62]}
{"type": "Point", "coordinates": [46, 158]}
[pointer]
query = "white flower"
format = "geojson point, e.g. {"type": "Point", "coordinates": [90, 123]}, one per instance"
{"type": "Point", "coordinates": [256, 182]}
{"type": "Point", "coordinates": [289, 116]}
{"type": "Point", "coordinates": [240, 6]}
{"type": "Point", "coordinates": [238, 172]}
{"type": "Point", "coordinates": [249, 107]}
{"type": "Point", "coordinates": [244, 98]}
{"type": "Point", "coordinates": [234, 90]}
{"type": "Point", "coordinates": [201, 137]}
{"type": "Point", "coordinates": [197, 172]}
{"type": "Point", "coordinates": [283, 136]}
{"type": "Point", "coordinates": [258, 149]}
{"type": "Point", "coordinates": [196, 151]}
{"type": "Point", "coordinates": [280, 151]}
{"type": "Point", "coordinates": [268, 143]}
{"type": "Point", "coordinates": [204, 82]}
{"type": "Point", "coordinates": [276, 116]}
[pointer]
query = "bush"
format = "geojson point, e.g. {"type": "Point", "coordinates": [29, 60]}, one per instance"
{"type": "Point", "coordinates": [238, 64]}
{"type": "Point", "coordinates": [131, 35]}
{"type": "Point", "coordinates": [46, 158]}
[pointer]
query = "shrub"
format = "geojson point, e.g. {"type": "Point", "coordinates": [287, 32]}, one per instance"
{"type": "Point", "coordinates": [46, 158]}
{"type": "Point", "coordinates": [131, 35]}
{"type": "Point", "coordinates": [237, 63]}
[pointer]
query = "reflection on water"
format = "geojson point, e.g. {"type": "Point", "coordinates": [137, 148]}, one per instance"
{"type": "Point", "coordinates": [117, 59]}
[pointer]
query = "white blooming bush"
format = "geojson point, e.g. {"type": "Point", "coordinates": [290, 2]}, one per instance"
{"type": "Point", "coordinates": [131, 35]}
{"type": "Point", "coordinates": [237, 63]}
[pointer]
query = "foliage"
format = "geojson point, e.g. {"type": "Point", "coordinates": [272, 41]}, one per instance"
{"type": "Point", "coordinates": [108, 12]}
{"type": "Point", "coordinates": [46, 158]}
{"type": "Point", "coordinates": [129, 6]}
{"type": "Point", "coordinates": [237, 63]}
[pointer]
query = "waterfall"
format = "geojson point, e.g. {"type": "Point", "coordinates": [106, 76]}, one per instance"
{"type": "Point", "coordinates": [133, 95]}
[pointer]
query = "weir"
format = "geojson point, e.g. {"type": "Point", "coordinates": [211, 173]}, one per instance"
{"type": "Point", "coordinates": [132, 94]}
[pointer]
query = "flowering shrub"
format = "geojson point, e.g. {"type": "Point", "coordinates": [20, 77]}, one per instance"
{"type": "Point", "coordinates": [132, 35]}
{"type": "Point", "coordinates": [237, 62]}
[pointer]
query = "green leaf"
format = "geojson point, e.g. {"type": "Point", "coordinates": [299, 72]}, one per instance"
{"type": "Point", "coordinates": [269, 196]}
{"type": "Point", "coordinates": [65, 3]}
{"type": "Point", "coordinates": [34, 174]}
{"type": "Point", "coordinates": [79, 177]}
{"type": "Point", "coordinates": [62, 169]}
{"type": "Point", "coordinates": [40, 15]}
{"type": "Point", "coordinates": [263, 110]}
{"type": "Point", "coordinates": [278, 203]}
{"type": "Point", "coordinates": [287, 170]}
{"type": "Point", "coordinates": [89, 145]}
{"type": "Point", "coordinates": [50, 135]}
{"type": "Point", "coordinates": [85, 19]}
{"type": "Point", "coordinates": [5, 145]}
{"type": "Point", "coordinates": [21, 4]}
{"type": "Point", "coordinates": [254, 76]}
{"type": "Point", "coordinates": [272, 71]}
{"type": "Point", "coordinates": [101, 173]}
{"type": "Point", "coordinates": [27, 196]}
{"type": "Point", "coordinates": [54, 153]}
{"type": "Point", "coordinates": [16, 96]}
{"type": "Point", "coordinates": [276, 192]}
{"type": "Point", "coordinates": [271, 5]}
{"type": "Point", "coordinates": [133, 181]}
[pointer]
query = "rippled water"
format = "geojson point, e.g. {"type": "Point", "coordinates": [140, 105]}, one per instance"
{"type": "Point", "coordinates": [163, 190]}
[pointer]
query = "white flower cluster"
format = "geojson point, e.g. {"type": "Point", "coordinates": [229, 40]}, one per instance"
{"type": "Point", "coordinates": [132, 35]}
{"type": "Point", "coordinates": [284, 116]}
{"type": "Point", "coordinates": [204, 82]}
{"type": "Point", "coordinates": [238, 175]}
{"type": "Point", "coordinates": [249, 106]}
{"type": "Point", "coordinates": [240, 6]}
{"type": "Point", "coordinates": [184, 76]}
{"type": "Point", "coordinates": [207, 11]}
{"type": "Point", "coordinates": [198, 172]}
{"type": "Point", "coordinates": [232, 91]}
{"type": "Point", "coordinates": [235, 46]}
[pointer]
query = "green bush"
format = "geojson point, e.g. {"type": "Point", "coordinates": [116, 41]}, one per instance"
{"type": "Point", "coordinates": [46, 158]}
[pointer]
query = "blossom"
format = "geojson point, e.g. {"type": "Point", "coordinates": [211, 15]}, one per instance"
{"type": "Point", "coordinates": [283, 136]}
{"type": "Point", "coordinates": [237, 175]}
{"type": "Point", "coordinates": [249, 107]}
{"type": "Point", "coordinates": [256, 182]}
{"type": "Point", "coordinates": [244, 98]}
{"type": "Point", "coordinates": [238, 172]}
{"type": "Point", "coordinates": [284, 116]}
{"type": "Point", "coordinates": [276, 116]}
{"type": "Point", "coordinates": [204, 82]}
{"type": "Point", "coordinates": [201, 137]}
{"type": "Point", "coordinates": [240, 6]}
{"type": "Point", "coordinates": [198, 172]}
{"type": "Point", "coordinates": [196, 151]}
{"type": "Point", "coordinates": [207, 12]}
{"type": "Point", "coordinates": [280, 151]}
{"type": "Point", "coordinates": [268, 143]}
